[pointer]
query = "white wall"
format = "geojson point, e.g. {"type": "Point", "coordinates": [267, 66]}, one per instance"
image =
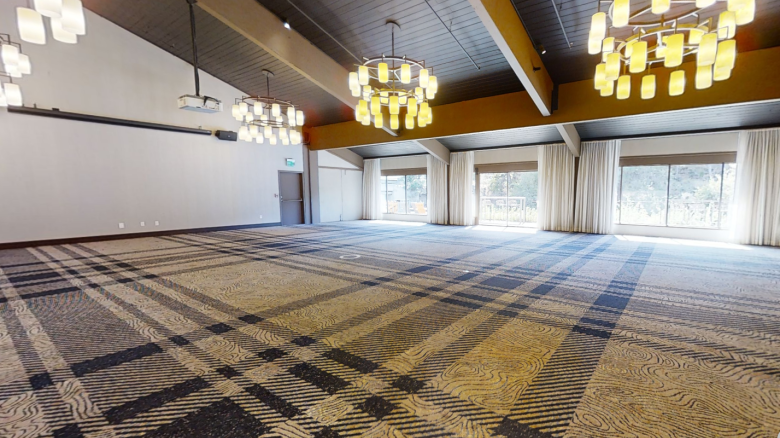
{"type": "Point", "coordinates": [340, 194]}
{"type": "Point", "coordinates": [326, 159]}
{"type": "Point", "coordinates": [411, 162]}
{"type": "Point", "coordinates": [62, 178]}
{"type": "Point", "coordinates": [508, 155]}
{"type": "Point", "coordinates": [685, 144]}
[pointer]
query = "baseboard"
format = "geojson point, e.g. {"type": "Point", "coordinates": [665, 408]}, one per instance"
{"type": "Point", "coordinates": [72, 240]}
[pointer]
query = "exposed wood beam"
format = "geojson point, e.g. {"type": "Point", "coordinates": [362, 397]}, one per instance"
{"type": "Point", "coordinates": [754, 79]}
{"type": "Point", "coordinates": [504, 25]}
{"type": "Point", "coordinates": [570, 136]}
{"type": "Point", "coordinates": [348, 156]}
{"type": "Point", "coordinates": [263, 28]}
{"type": "Point", "coordinates": [436, 149]}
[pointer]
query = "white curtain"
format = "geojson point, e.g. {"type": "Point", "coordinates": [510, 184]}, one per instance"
{"type": "Point", "coordinates": [758, 188]}
{"type": "Point", "coordinates": [372, 196]}
{"type": "Point", "coordinates": [461, 183]}
{"type": "Point", "coordinates": [596, 189]}
{"type": "Point", "coordinates": [437, 191]}
{"type": "Point", "coordinates": [556, 188]}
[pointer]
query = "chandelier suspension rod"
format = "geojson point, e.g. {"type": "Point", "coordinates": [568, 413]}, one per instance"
{"type": "Point", "coordinates": [194, 46]}
{"type": "Point", "coordinates": [323, 30]}
{"type": "Point", "coordinates": [557, 14]}
{"type": "Point", "coordinates": [452, 34]}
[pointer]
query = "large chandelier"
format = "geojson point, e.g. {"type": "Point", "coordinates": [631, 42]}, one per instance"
{"type": "Point", "coordinates": [665, 33]}
{"type": "Point", "coordinates": [386, 82]}
{"type": "Point", "coordinates": [66, 18]}
{"type": "Point", "coordinates": [268, 118]}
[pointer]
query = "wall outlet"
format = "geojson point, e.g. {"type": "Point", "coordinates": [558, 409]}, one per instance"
{"type": "Point", "coordinates": [143, 224]}
{"type": "Point", "coordinates": [121, 225]}
{"type": "Point", "coordinates": [156, 223]}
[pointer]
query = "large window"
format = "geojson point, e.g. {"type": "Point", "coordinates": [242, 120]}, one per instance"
{"type": "Point", "coordinates": [405, 194]}
{"type": "Point", "coordinates": [508, 198]}
{"type": "Point", "coordinates": [676, 195]}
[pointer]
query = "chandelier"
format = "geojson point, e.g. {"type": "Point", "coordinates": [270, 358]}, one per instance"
{"type": "Point", "coordinates": [386, 82]}
{"type": "Point", "coordinates": [665, 33]}
{"type": "Point", "coordinates": [268, 118]}
{"type": "Point", "coordinates": [15, 65]}
{"type": "Point", "coordinates": [66, 18]}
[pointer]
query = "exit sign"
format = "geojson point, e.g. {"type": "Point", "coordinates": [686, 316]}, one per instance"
{"type": "Point", "coordinates": [290, 162]}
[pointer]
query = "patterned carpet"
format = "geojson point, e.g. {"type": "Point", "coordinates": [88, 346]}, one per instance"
{"type": "Point", "coordinates": [432, 331]}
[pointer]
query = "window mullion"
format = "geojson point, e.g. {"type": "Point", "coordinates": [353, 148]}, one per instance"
{"type": "Point", "coordinates": [668, 186]}
{"type": "Point", "coordinates": [720, 198]}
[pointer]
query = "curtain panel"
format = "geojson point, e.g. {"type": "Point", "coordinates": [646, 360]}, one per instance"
{"type": "Point", "coordinates": [596, 189]}
{"type": "Point", "coordinates": [556, 188]}
{"type": "Point", "coordinates": [758, 188]}
{"type": "Point", "coordinates": [372, 195]}
{"type": "Point", "coordinates": [437, 191]}
{"type": "Point", "coordinates": [461, 194]}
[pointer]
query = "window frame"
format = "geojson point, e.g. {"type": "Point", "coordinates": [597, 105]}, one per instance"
{"type": "Point", "coordinates": [675, 160]}
{"type": "Point", "coordinates": [406, 173]}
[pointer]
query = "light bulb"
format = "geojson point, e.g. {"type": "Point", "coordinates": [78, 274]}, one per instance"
{"type": "Point", "coordinates": [624, 87]}
{"type": "Point", "coordinates": [638, 61]}
{"type": "Point", "coordinates": [406, 73]}
{"type": "Point", "coordinates": [382, 75]}
{"type": "Point", "coordinates": [73, 17]}
{"type": "Point", "coordinates": [703, 77]}
{"type": "Point", "coordinates": [363, 75]}
{"type": "Point", "coordinates": [648, 87]}
{"type": "Point", "coordinates": [677, 83]}
{"type": "Point", "coordinates": [30, 24]}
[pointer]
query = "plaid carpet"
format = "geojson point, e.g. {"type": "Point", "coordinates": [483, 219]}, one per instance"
{"type": "Point", "coordinates": [431, 331]}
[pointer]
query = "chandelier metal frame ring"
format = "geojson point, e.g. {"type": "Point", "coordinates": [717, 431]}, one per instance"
{"type": "Point", "coordinates": [265, 117]}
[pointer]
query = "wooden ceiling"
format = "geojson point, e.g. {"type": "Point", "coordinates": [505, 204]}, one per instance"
{"type": "Point", "coordinates": [569, 64]}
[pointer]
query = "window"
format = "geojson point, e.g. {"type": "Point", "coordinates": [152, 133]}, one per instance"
{"type": "Point", "coordinates": [676, 195]}
{"type": "Point", "coordinates": [508, 198]}
{"type": "Point", "coordinates": [405, 194]}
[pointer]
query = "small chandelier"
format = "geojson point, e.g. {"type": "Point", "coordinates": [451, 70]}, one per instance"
{"type": "Point", "coordinates": [66, 18]}
{"type": "Point", "coordinates": [15, 64]}
{"type": "Point", "coordinates": [268, 118]}
{"type": "Point", "coordinates": [674, 33]}
{"type": "Point", "coordinates": [386, 82]}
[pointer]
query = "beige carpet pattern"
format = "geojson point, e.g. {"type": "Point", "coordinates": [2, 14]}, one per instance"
{"type": "Point", "coordinates": [389, 330]}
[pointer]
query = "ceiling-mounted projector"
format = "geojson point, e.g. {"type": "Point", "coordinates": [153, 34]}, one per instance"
{"type": "Point", "coordinates": [201, 104]}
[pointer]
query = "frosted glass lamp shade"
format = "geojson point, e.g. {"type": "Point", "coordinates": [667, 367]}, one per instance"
{"type": "Point", "coordinates": [612, 69]}
{"type": "Point", "coordinates": [600, 79]}
{"type": "Point", "coordinates": [624, 87]}
{"type": "Point", "coordinates": [708, 48]}
{"type": "Point", "coordinates": [383, 97]}
{"type": "Point", "coordinates": [355, 92]}
{"type": "Point", "coordinates": [375, 105]}
{"type": "Point", "coordinates": [260, 139]}
{"type": "Point", "coordinates": [727, 24]}
{"type": "Point", "coordinates": [30, 23]}
{"type": "Point", "coordinates": [254, 131]}
{"type": "Point", "coordinates": [433, 84]}
{"type": "Point", "coordinates": [409, 121]}
{"type": "Point", "coordinates": [424, 76]}
{"type": "Point", "coordinates": [608, 46]}
{"type": "Point", "coordinates": [394, 121]}
{"type": "Point", "coordinates": [366, 120]}
{"type": "Point", "coordinates": [10, 55]}
{"type": "Point", "coordinates": [598, 30]}
{"type": "Point", "coordinates": [660, 6]}
{"type": "Point", "coordinates": [282, 133]}
{"type": "Point", "coordinates": [406, 73]}
{"type": "Point", "coordinates": [620, 12]}
{"type": "Point", "coordinates": [60, 34]}
{"type": "Point", "coordinates": [362, 108]}
{"type": "Point", "coordinates": [379, 121]}
{"type": "Point", "coordinates": [49, 8]}
{"type": "Point", "coordinates": [674, 50]}
{"type": "Point", "coordinates": [629, 50]}
{"type": "Point", "coordinates": [73, 17]}
{"type": "Point", "coordinates": [638, 61]}
{"type": "Point", "coordinates": [727, 54]}
{"type": "Point", "coordinates": [286, 141]}
{"type": "Point", "coordinates": [411, 106]}
{"type": "Point", "coordinates": [13, 94]}
{"type": "Point", "coordinates": [429, 93]}
{"type": "Point", "coordinates": [276, 110]}
{"type": "Point", "coordinates": [423, 112]}
{"type": "Point", "coordinates": [607, 89]}
{"type": "Point", "coordinates": [695, 35]}
{"type": "Point", "coordinates": [383, 76]}
{"type": "Point", "coordinates": [363, 75]}
{"type": "Point", "coordinates": [249, 117]}
{"type": "Point", "coordinates": [25, 67]}
{"type": "Point", "coordinates": [353, 81]}
{"type": "Point", "coordinates": [243, 132]}
{"type": "Point", "coordinates": [272, 140]}
{"type": "Point", "coordinates": [704, 3]}
{"type": "Point", "coordinates": [291, 115]}
{"type": "Point", "coordinates": [418, 93]}
{"type": "Point", "coordinates": [403, 99]}
{"type": "Point", "coordinates": [268, 132]}
{"type": "Point", "coordinates": [243, 108]}
{"type": "Point", "coordinates": [747, 13]}
{"type": "Point", "coordinates": [299, 118]}
{"type": "Point", "coordinates": [421, 122]}
{"type": "Point", "coordinates": [703, 77]}
{"type": "Point", "coordinates": [236, 114]}
{"type": "Point", "coordinates": [677, 83]}
{"type": "Point", "coordinates": [648, 87]}
{"type": "Point", "coordinates": [258, 108]}
{"type": "Point", "coordinates": [395, 107]}
{"type": "Point", "coordinates": [3, 101]}
{"type": "Point", "coordinates": [735, 5]}
{"type": "Point", "coordinates": [430, 115]}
